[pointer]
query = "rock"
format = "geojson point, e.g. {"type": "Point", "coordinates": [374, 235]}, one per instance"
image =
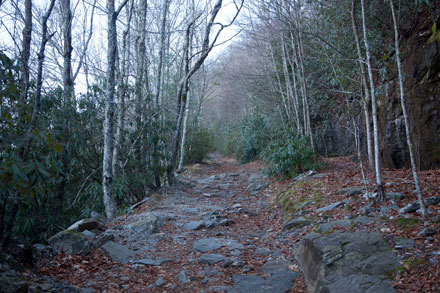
{"type": "Point", "coordinates": [10, 282]}
{"type": "Point", "coordinates": [43, 251]}
{"type": "Point", "coordinates": [103, 238]}
{"type": "Point", "coordinates": [329, 207]}
{"type": "Point", "coordinates": [225, 222]}
{"type": "Point", "coordinates": [346, 262]}
{"type": "Point", "coordinates": [236, 206]}
{"type": "Point", "coordinates": [256, 186]}
{"type": "Point", "coordinates": [364, 220]}
{"type": "Point", "coordinates": [118, 252]}
{"type": "Point", "coordinates": [88, 234]}
{"type": "Point", "coordinates": [394, 195]}
{"type": "Point", "coordinates": [183, 277]}
{"type": "Point", "coordinates": [207, 244]}
{"type": "Point", "coordinates": [195, 225]}
{"type": "Point", "coordinates": [179, 239]}
{"type": "Point", "coordinates": [211, 259]}
{"type": "Point", "coordinates": [386, 209]}
{"type": "Point", "coordinates": [351, 191]}
{"type": "Point", "coordinates": [102, 219]}
{"type": "Point", "coordinates": [210, 244]}
{"type": "Point", "coordinates": [70, 242]}
{"type": "Point", "coordinates": [152, 262]}
{"type": "Point", "coordinates": [248, 268]}
{"type": "Point", "coordinates": [296, 223]}
{"type": "Point", "coordinates": [280, 279]}
{"type": "Point", "coordinates": [263, 251]}
{"type": "Point", "coordinates": [160, 282]}
{"type": "Point", "coordinates": [412, 207]}
{"type": "Point", "coordinates": [427, 232]}
{"type": "Point", "coordinates": [86, 224]}
{"type": "Point", "coordinates": [305, 176]}
{"type": "Point", "coordinates": [138, 268]}
{"type": "Point", "coordinates": [403, 243]}
{"type": "Point", "coordinates": [147, 225]}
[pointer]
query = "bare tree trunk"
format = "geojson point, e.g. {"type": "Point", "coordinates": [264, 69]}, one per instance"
{"type": "Point", "coordinates": [405, 115]}
{"type": "Point", "coordinates": [366, 99]}
{"type": "Point", "coordinates": [67, 53]}
{"type": "Point", "coordinates": [140, 72]}
{"type": "Point", "coordinates": [107, 174]}
{"type": "Point", "coordinates": [184, 132]}
{"type": "Point", "coordinates": [295, 88]}
{"type": "Point", "coordinates": [380, 188]}
{"type": "Point", "coordinates": [307, 123]}
{"type": "Point", "coordinates": [289, 88]}
{"type": "Point", "coordinates": [122, 84]}
{"type": "Point", "coordinates": [26, 51]}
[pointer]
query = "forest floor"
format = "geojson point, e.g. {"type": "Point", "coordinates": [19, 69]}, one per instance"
{"type": "Point", "coordinates": [221, 230]}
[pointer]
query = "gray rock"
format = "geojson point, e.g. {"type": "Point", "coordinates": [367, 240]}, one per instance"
{"type": "Point", "coordinates": [147, 225]}
{"type": "Point", "coordinates": [412, 207]}
{"type": "Point", "coordinates": [88, 234]}
{"type": "Point", "coordinates": [86, 224]}
{"type": "Point", "coordinates": [404, 243]}
{"type": "Point", "coordinates": [329, 207]}
{"type": "Point", "coordinates": [263, 251]}
{"type": "Point", "coordinates": [210, 244]}
{"type": "Point", "coordinates": [348, 261]}
{"type": "Point", "coordinates": [211, 259]}
{"type": "Point", "coordinates": [118, 252]}
{"type": "Point", "coordinates": [70, 242]}
{"type": "Point", "coordinates": [195, 225]}
{"type": "Point", "coordinates": [257, 186]}
{"type": "Point", "coordinates": [305, 176]}
{"type": "Point", "coordinates": [386, 209]}
{"type": "Point", "coordinates": [351, 191]}
{"type": "Point", "coordinates": [179, 239]}
{"type": "Point", "coordinates": [99, 217]}
{"type": "Point", "coordinates": [280, 279]}
{"type": "Point", "coordinates": [160, 282]}
{"type": "Point", "coordinates": [427, 232]}
{"type": "Point", "coordinates": [152, 262]}
{"type": "Point", "coordinates": [296, 223]}
{"type": "Point", "coordinates": [183, 277]}
{"type": "Point", "coordinates": [10, 282]}
{"type": "Point", "coordinates": [364, 220]}
{"type": "Point", "coordinates": [394, 195]}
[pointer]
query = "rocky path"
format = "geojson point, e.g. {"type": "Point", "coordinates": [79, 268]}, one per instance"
{"type": "Point", "coordinates": [210, 233]}
{"type": "Point", "coordinates": [216, 231]}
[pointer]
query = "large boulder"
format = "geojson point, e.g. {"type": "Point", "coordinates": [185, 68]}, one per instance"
{"type": "Point", "coordinates": [70, 242]}
{"type": "Point", "coordinates": [346, 262]}
{"type": "Point", "coordinates": [146, 225]}
{"type": "Point", "coordinates": [86, 224]}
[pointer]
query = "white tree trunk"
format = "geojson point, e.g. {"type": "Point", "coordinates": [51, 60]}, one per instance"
{"type": "Point", "coordinates": [366, 100]}
{"type": "Point", "coordinates": [184, 132]}
{"type": "Point", "coordinates": [107, 174]}
{"type": "Point", "coordinates": [67, 53]}
{"type": "Point", "coordinates": [380, 189]}
{"type": "Point", "coordinates": [405, 115]}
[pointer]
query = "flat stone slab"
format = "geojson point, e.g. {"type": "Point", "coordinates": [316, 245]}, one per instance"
{"type": "Point", "coordinates": [118, 252]}
{"type": "Point", "coordinates": [152, 262]}
{"type": "Point", "coordinates": [280, 279]}
{"type": "Point", "coordinates": [195, 225]}
{"type": "Point", "coordinates": [210, 244]}
{"type": "Point", "coordinates": [211, 259]}
{"type": "Point", "coordinates": [329, 207]}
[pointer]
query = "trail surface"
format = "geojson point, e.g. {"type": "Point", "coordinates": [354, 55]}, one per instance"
{"type": "Point", "coordinates": [210, 233]}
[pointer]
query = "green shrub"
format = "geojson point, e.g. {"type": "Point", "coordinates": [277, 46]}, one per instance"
{"type": "Point", "coordinates": [289, 156]}
{"type": "Point", "coordinates": [199, 144]}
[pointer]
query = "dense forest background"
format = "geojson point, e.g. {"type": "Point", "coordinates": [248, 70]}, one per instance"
{"type": "Point", "coordinates": [102, 102]}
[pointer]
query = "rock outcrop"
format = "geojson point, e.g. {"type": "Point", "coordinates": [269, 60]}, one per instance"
{"type": "Point", "coordinates": [346, 262]}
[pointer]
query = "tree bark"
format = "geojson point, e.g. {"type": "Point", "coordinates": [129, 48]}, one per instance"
{"type": "Point", "coordinates": [366, 99]}
{"type": "Point", "coordinates": [405, 115]}
{"type": "Point", "coordinates": [122, 84]}
{"type": "Point", "coordinates": [26, 51]}
{"type": "Point", "coordinates": [107, 174]}
{"type": "Point", "coordinates": [380, 188]}
{"type": "Point", "coordinates": [67, 50]}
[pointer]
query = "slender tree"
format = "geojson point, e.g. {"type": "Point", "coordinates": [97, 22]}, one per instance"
{"type": "Point", "coordinates": [366, 100]}
{"type": "Point", "coordinates": [26, 51]}
{"type": "Point", "coordinates": [107, 173]}
{"type": "Point", "coordinates": [380, 188]}
{"type": "Point", "coordinates": [405, 114]}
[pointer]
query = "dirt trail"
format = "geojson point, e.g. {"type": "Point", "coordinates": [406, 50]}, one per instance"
{"type": "Point", "coordinates": [210, 233]}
